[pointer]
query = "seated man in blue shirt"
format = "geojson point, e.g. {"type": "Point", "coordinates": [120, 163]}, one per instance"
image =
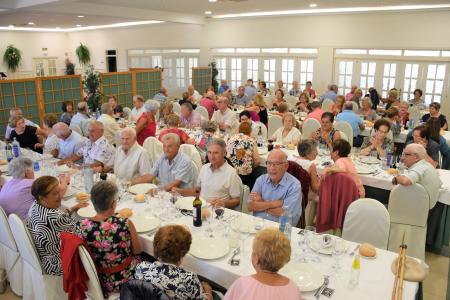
{"type": "Point", "coordinates": [330, 94]}
{"type": "Point", "coordinates": [275, 191]}
{"type": "Point", "coordinates": [347, 115]}
{"type": "Point", "coordinates": [223, 86]}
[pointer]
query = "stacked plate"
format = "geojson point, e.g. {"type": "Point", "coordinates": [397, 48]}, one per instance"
{"type": "Point", "coordinates": [209, 248]}
{"type": "Point", "coordinates": [145, 223]}
{"type": "Point", "coordinates": [364, 169]}
{"type": "Point", "coordinates": [306, 276]}
{"type": "Point", "coordinates": [370, 160]}
{"type": "Point", "coordinates": [186, 203]}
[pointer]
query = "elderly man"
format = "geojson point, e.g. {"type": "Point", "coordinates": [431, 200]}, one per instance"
{"type": "Point", "coordinates": [69, 141]}
{"type": "Point", "coordinates": [162, 95]}
{"type": "Point", "coordinates": [349, 95]}
{"type": "Point", "coordinates": [276, 191]}
{"type": "Point", "coordinates": [280, 86]}
{"type": "Point", "coordinates": [81, 118]}
{"type": "Point", "coordinates": [224, 117]}
{"type": "Point", "coordinates": [209, 102]}
{"type": "Point", "coordinates": [138, 109]}
{"type": "Point", "coordinates": [347, 115]}
{"type": "Point", "coordinates": [188, 117]}
{"type": "Point", "coordinates": [241, 97]}
{"type": "Point", "coordinates": [96, 151]}
{"type": "Point", "coordinates": [250, 89]}
{"type": "Point", "coordinates": [331, 93]}
{"type": "Point", "coordinates": [218, 182]}
{"type": "Point", "coordinates": [173, 168]}
{"type": "Point", "coordinates": [223, 86]}
{"type": "Point", "coordinates": [193, 95]}
{"type": "Point", "coordinates": [419, 171]}
{"type": "Point", "coordinates": [16, 112]}
{"type": "Point", "coordinates": [109, 123]}
{"type": "Point", "coordinates": [295, 91]}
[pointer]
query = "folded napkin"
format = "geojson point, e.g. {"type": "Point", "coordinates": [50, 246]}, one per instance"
{"type": "Point", "coordinates": [415, 271]}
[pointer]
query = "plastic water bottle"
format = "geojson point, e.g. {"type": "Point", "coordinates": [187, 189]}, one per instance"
{"type": "Point", "coordinates": [16, 148]}
{"type": "Point", "coordinates": [9, 153]}
{"type": "Point", "coordinates": [97, 114]}
{"type": "Point", "coordinates": [285, 223]}
{"type": "Point", "coordinates": [354, 272]}
{"type": "Point", "coordinates": [36, 166]}
{"type": "Point", "coordinates": [388, 159]}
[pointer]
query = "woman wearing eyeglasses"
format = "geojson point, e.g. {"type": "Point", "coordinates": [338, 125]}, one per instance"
{"type": "Point", "coordinates": [378, 144]}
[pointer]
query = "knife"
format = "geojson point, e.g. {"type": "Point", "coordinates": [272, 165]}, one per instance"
{"type": "Point", "coordinates": [319, 290]}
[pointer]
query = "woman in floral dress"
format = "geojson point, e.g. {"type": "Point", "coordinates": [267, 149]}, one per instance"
{"type": "Point", "coordinates": [112, 241]}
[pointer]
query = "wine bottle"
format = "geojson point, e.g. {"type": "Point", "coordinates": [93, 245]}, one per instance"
{"type": "Point", "coordinates": [197, 212]}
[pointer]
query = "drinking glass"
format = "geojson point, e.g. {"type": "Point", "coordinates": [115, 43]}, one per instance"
{"type": "Point", "coordinates": [244, 229]}
{"type": "Point", "coordinates": [219, 210]}
{"type": "Point", "coordinates": [258, 223]}
{"type": "Point", "coordinates": [339, 249]}
{"type": "Point", "coordinates": [233, 234]}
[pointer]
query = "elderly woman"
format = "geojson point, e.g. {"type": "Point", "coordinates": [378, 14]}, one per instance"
{"type": "Point", "coordinates": [51, 144]}
{"type": "Point", "coordinates": [307, 153]}
{"type": "Point", "coordinates": [259, 106]}
{"type": "Point", "coordinates": [288, 133]}
{"type": "Point", "coordinates": [357, 97]}
{"type": "Point", "coordinates": [209, 129]}
{"type": "Point", "coordinates": [378, 144]}
{"type": "Point", "coordinates": [326, 134]}
{"type": "Point", "coordinates": [392, 99]}
{"type": "Point", "coordinates": [342, 163]}
{"type": "Point", "coordinates": [15, 195]}
{"type": "Point", "coordinates": [271, 251]}
{"type": "Point", "coordinates": [263, 90]}
{"type": "Point", "coordinates": [26, 135]}
{"type": "Point", "coordinates": [394, 119]}
{"type": "Point", "coordinates": [366, 110]}
{"type": "Point", "coordinates": [421, 135]}
{"type": "Point", "coordinates": [67, 108]}
{"type": "Point", "coordinates": [146, 124]}
{"type": "Point", "coordinates": [302, 104]}
{"type": "Point", "coordinates": [117, 109]}
{"type": "Point", "coordinates": [173, 121]}
{"type": "Point", "coordinates": [309, 90]}
{"type": "Point", "coordinates": [403, 113]}
{"type": "Point", "coordinates": [47, 220]}
{"type": "Point", "coordinates": [112, 240]}
{"type": "Point", "coordinates": [434, 113]}
{"type": "Point", "coordinates": [165, 110]}
{"type": "Point", "coordinates": [279, 98]}
{"type": "Point", "coordinates": [243, 153]}
{"type": "Point", "coordinates": [170, 244]}
{"type": "Point", "coordinates": [188, 117]}
{"type": "Point", "coordinates": [338, 106]}
{"type": "Point", "coordinates": [417, 101]}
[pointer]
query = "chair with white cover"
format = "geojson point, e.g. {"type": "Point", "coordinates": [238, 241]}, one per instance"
{"type": "Point", "coordinates": [244, 198]}
{"type": "Point", "coordinates": [153, 147]}
{"type": "Point", "coordinates": [309, 126]}
{"type": "Point", "coordinates": [291, 100]}
{"type": "Point", "coordinates": [408, 208]}
{"type": "Point", "coordinates": [275, 122]}
{"type": "Point", "coordinates": [203, 112]}
{"type": "Point", "coordinates": [193, 153]}
{"type": "Point", "coordinates": [367, 221]}
{"type": "Point", "coordinates": [326, 104]}
{"type": "Point", "coordinates": [355, 107]}
{"type": "Point", "coordinates": [346, 128]}
{"type": "Point", "coordinates": [176, 107]}
{"type": "Point", "coordinates": [39, 285]}
{"type": "Point", "coordinates": [76, 128]}
{"type": "Point", "coordinates": [9, 255]}
{"type": "Point", "coordinates": [256, 125]}
{"type": "Point", "coordinates": [94, 291]}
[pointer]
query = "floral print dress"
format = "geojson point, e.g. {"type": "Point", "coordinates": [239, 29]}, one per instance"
{"type": "Point", "coordinates": [240, 153]}
{"type": "Point", "coordinates": [109, 242]}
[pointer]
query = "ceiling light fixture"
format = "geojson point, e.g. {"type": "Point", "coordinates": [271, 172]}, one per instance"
{"type": "Point", "coordinates": [212, 0]}
{"type": "Point", "coordinates": [78, 25]}
{"type": "Point", "coordinates": [80, 16]}
{"type": "Point", "coordinates": [11, 26]}
{"type": "Point", "coordinates": [30, 23]}
{"type": "Point", "coordinates": [333, 10]}
{"type": "Point", "coordinates": [313, 5]}
{"type": "Point", "coordinates": [208, 12]}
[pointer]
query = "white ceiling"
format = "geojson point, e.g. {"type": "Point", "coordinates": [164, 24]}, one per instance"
{"type": "Point", "coordinates": [63, 13]}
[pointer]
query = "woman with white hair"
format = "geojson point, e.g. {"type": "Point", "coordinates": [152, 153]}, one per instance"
{"type": "Point", "coordinates": [366, 110]}
{"type": "Point", "coordinates": [146, 124]}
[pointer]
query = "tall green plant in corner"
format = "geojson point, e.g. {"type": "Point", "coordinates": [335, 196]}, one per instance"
{"type": "Point", "coordinates": [91, 85]}
{"type": "Point", "coordinates": [214, 74]}
{"type": "Point", "coordinates": [83, 54]}
{"type": "Point", "coordinates": [12, 58]}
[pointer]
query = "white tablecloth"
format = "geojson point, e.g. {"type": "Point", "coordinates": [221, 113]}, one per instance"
{"type": "Point", "coordinates": [401, 138]}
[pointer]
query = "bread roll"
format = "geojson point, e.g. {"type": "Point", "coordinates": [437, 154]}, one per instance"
{"type": "Point", "coordinates": [140, 198]}
{"type": "Point", "coordinates": [290, 146]}
{"type": "Point", "coordinates": [125, 213]}
{"type": "Point", "coordinates": [205, 213]}
{"type": "Point", "coordinates": [367, 250]}
{"type": "Point", "coordinates": [82, 197]}
{"type": "Point", "coordinates": [393, 171]}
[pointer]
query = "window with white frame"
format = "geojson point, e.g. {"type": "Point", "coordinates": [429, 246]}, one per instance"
{"type": "Point", "coordinates": [435, 82]}
{"type": "Point", "coordinates": [252, 69]}
{"type": "Point", "coordinates": [156, 61]}
{"type": "Point", "coordinates": [345, 74]}
{"type": "Point", "coordinates": [193, 63]}
{"type": "Point", "coordinates": [388, 78]}
{"type": "Point", "coordinates": [179, 72]}
{"type": "Point", "coordinates": [221, 65]}
{"type": "Point", "coordinates": [306, 72]}
{"type": "Point", "coordinates": [287, 72]}
{"type": "Point", "coordinates": [168, 71]}
{"type": "Point", "coordinates": [367, 77]}
{"type": "Point", "coordinates": [236, 72]}
{"type": "Point", "coordinates": [269, 72]}
{"type": "Point", "coordinates": [410, 80]}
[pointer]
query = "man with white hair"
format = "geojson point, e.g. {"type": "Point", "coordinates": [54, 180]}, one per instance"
{"type": "Point", "coordinates": [138, 109]}
{"type": "Point", "coordinates": [241, 97]}
{"type": "Point", "coordinates": [224, 116]}
{"type": "Point", "coordinates": [69, 141]}
{"type": "Point", "coordinates": [295, 91]}
{"type": "Point", "coordinates": [223, 86]}
{"type": "Point", "coordinates": [96, 151]}
{"type": "Point", "coordinates": [109, 123]}
{"type": "Point", "coordinates": [331, 93]}
{"type": "Point", "coordinates": [81, 118]}
{"type": "Point", "coordinates": [193, 95]}
{"type": "Point", "coordinates": [280, 86]}
{"type": "Point", "coordinates": [419, 171]}
{"type": "Point", "coordinates": [162, 95]}
{"type": "Point", "coordinates": [15, 112]}
{"type": "Point", "coordinates": [173, 168]}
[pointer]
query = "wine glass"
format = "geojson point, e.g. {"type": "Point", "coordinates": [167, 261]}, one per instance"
{"type": "Point", "coordinates": [339, 249]}
{"type": "Point", "coordinates": [219, 210]}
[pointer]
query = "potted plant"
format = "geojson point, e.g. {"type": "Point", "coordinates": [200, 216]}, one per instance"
{"type": "Point", "coordinates": [83, 54]}
{"type": "Point", "coordinates": [91, 85]}
{"type": "Point", "coordinates": [214, 74]}
{"type": "Point", "coordinates": [12, 58]}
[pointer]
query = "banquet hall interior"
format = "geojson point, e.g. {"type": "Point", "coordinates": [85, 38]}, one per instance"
{"type": "Point", "coordinates": [325, 120]}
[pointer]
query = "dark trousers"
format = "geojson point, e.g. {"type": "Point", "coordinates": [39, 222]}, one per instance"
{"type": "Point", "coordinates": [357, 141]}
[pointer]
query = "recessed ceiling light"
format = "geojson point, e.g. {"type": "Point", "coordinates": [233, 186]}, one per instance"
{"type": "Point", "coordinates": [80, 16]}
{"type": "Point", "coordinates": [57, 28]}
{"type": "Point", "coordinates": [11, 26]}
{"type": "Point", "coordinates": [212, 0]}
{"type": "Point", "coordinates": [312, 5]}
{"type": "Point", "coordinates": [78, 25]}
{"type": "Point", "coordinates": [208, 12]}
{"type": "Point", "coordinates": [30, 23]}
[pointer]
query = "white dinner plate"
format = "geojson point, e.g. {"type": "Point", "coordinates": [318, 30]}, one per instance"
{"type": "Point", "coordinates": [144, 223]}
{"type": "Point", "coordinates": [87, 212]}
{"type": "Point", "coordinates": [186, 203]}
{"type": "Point", "coordinates": [209, 248]}
{"type": "Point", "coordinates": [262, 151]}
{"type": "Point", "coordinates": [317, 245]}
{"type": "Point", "coordinates": [306, 276]}
{"type": "Point", "coordinates": [362, 169]}
{"type": "Point", "coordinates": [246, 224]}
{"type": "Point", "coordinates": [141, 188]}
{"type": "Point", "coordinates": [70, 192]}
{"type": "Point", "coordinates": [370, 160]}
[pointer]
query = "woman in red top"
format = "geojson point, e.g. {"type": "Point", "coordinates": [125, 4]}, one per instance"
{"type": "Point", "coordinates": [146, 124]}
{"type": "Point", "coordinates": [173, 121]}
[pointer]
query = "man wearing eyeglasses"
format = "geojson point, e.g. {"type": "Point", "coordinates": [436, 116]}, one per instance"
{"type": "Point", "coordinates": [276, 191]}
{"type": "Point", "coordinates": [419, 171]}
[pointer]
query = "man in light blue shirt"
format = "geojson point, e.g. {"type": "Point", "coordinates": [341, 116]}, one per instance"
{"type": "Point", "coordinates": [223, 86]}
{"type": "Point", "coordinates": [330, 94]}
{"type": "Point", "coordinates": [69, 141]}
{"type": "Point", "coordinates": [250, 89]}
{"type": "Point", "coordinates": [173, 168]}
{"type": "Point", "coordinates": [162, 95]}
{"type": "Point", "coordinates": [241, 97]}
{"type": "Point", "coordinates": [276, 191]}
{"type": "Point", "coordinates": [347, 115]}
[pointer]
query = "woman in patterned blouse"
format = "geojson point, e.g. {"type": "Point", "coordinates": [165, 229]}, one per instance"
{"type": "Point", "coordinates": [47, 220]}
{"type": "Point", "coordinates": [379, 143]}
{"type": "Point", "coordinates": [112, 241]}
{"type": "Point", "coordinates": [170, 244]}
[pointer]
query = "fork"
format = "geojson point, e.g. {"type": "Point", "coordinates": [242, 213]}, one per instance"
{"type": "Point", "coordinates": [233, 261]}
{"type": "Point", "coordinates": [324, 285]}
{"type": "Point", "coordinates": [354, 250]}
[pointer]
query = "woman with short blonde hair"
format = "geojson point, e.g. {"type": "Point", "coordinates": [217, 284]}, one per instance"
{"type": "Point", "coordinates": [288, 133]}
{"type": "Point", "coordinates": [259, 106]}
